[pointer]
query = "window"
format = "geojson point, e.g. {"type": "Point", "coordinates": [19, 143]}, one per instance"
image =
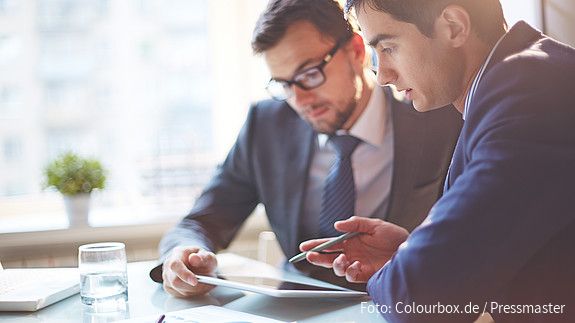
{"type": "Point", "coordinates": [10, 100]}
{"type": "Point", "coordinates": [10, 48]}
{"type": "Point", "coordinates": [7, 6]}
{"type": "Point", "coordinates": [155, 89]}
{"type": "Point", "coordinates": [12, 150]}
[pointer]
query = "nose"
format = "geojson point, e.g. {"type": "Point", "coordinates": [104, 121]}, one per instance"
{"type": "Point", "coordinates": [301, 97]}
{"type": "Point", "coordinates": [385, 75]}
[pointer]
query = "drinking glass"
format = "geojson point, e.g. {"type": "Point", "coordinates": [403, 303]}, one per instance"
{"type": "Point", "coordinates": [103, 275]}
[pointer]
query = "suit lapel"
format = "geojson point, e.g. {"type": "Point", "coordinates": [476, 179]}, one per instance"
{"type": "Point", "coordinates": [298, 150]}
{"type": "Point", "coordinates": [456, 165]}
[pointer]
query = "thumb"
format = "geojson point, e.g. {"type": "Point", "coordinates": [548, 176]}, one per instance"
{"type": "Point", "coordinates": [357, 224]}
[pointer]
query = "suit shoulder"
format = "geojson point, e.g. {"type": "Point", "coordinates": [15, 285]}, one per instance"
{"type": "Point", "coordinates": [526, 94]}
{"type": "Point", "coordinates": [539, 77]}
{"type": "Point", "coordinates": [545, 63]}
{"type": "Point", "coordinates": [270, 116]}
{"type": "Point", "coordinates": [272, 109]}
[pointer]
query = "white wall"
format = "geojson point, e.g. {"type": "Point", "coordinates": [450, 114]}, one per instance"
{"type": "Point", "coordinates": [559, 16]}
{"type": "Point", "coordinates": [560, 20]}
{"type": "Point", "coordinates": [528, 10]}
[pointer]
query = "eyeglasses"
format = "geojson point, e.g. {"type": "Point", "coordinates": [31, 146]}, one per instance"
{"type": "Point", "coordinates": [307, 79]}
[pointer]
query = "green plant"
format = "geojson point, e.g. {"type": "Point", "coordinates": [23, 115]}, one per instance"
{"type": "Point", "coordinates": [71, 174]}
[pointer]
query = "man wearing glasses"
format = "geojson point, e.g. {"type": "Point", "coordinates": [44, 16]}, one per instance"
{"type": "Point", "coordinates": [331, 145]}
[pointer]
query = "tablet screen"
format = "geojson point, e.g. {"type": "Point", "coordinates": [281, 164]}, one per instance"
{"type": "Point", "coordinates": [274, 283]}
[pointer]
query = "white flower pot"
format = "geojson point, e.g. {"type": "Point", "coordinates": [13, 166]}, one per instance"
{"type": "Point", "coordinates": [77, 209]}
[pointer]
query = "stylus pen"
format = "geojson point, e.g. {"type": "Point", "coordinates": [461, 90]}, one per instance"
{"type": "Point", "coordinates": [325, 245]}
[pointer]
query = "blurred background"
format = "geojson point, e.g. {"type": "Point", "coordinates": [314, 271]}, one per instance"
{"type": "Point", "coordinates": [156, 90]}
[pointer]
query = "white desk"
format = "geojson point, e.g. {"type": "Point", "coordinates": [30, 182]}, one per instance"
{"type": "Point", "coordinates": [148, 298]}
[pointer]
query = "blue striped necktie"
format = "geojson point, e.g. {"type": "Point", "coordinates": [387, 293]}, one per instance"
{"type": "Point", "coordinates": [338, 200]}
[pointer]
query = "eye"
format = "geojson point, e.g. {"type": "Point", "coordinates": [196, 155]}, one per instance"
{"type": "Point", "coordinates": [387, 50]}
{"type": "Point", "coordinates": [309, 77]}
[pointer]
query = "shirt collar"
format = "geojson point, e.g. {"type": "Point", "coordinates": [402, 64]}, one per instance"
{"type": "Point", "coordinates": [370, 126]}
{"type": "Point", "coordinates": [477, 79]}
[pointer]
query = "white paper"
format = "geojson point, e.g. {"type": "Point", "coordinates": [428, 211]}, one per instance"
{"type": "Point", "coordinates": [205, 314]}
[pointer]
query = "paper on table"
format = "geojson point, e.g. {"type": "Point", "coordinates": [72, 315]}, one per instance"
{"type": "Point", "coordinates": [207, 314]}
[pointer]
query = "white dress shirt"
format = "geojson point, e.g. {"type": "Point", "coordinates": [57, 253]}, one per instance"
{"type": "Point", "coordinates": [372, 163]}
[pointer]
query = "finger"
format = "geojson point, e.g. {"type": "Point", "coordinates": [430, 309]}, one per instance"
{"type": "Point", "coordinates": [179, 269]}
{"type": "Point", "coordinates": [173, 280]}
{"type": "Point", "coordinates": [355, 274]}
{"type": "Point", "coordinates": [358, 224]}
{"type": "Point", "coordinates": [171, 291]}
{"type": "Point", "coordinates": [307, 245]}
{"type": "Point", "coordinates": [187, 290]}
{"type": "Point", "coordinates": [321, 260]}
{"type": "Point", "coordinates": [183, 253]}
{"type": "Point", "coordinates": [180, 288]}
{"type": "Point", "coordinates": [175, 268]}
{"type": "Point", "coordinates": [180, 285]}
{"type": "Point", "coordinates": [330, 252]}
{"type": "Point", "coordinates": [203, 262]}
{"type": "Point", "coordinates": [174, 285]}
{"type": "Point", "coordinates": [340, 265]}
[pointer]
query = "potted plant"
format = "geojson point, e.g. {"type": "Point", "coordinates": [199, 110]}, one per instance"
{"type": "Point", "coordinates": [75, 177]}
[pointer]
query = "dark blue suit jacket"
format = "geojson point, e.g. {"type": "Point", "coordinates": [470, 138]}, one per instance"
{"type": "Point", "coordinates": [269, 164]}
{"type": "Point", "coordinates": [504, 231]}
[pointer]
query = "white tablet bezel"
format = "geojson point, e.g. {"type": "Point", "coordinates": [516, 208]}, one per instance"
{"type": "Point", "coordinates": [342, 292]}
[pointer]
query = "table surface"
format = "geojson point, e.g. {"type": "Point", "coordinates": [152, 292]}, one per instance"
{"type": "Point", "coordinates": [148, 298]}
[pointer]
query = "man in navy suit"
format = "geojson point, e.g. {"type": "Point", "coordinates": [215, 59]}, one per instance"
{"type": "Point", "coordinates": [502, 237]}
{"type": "Point", "coordinates": [283, 153]}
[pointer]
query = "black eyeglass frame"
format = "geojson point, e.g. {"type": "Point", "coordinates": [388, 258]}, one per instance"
{"type": "Point", "coordinates": [288, 83]}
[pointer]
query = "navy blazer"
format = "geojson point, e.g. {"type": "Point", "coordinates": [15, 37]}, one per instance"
{"type": "Point", "coordinates": [504, 231]}
{"type": "Point", "coordinates": [269, 164]}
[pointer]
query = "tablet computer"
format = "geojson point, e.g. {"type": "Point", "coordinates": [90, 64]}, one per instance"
{"type": "Point", "coordinates": [277, 287]}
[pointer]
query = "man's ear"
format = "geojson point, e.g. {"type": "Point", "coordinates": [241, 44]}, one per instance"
{"type": "Point", "coordinates": [453, 25]}
{"type": "Point", "coordinates": [356, 48]}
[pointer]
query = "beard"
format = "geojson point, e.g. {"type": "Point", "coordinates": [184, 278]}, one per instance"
{"type": "Point", "coordinates": [341, 110]}
{"type": "Point", "coordinates": [330, 126]}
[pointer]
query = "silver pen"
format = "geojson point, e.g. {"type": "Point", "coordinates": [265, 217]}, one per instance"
{"type": "Point", "coordinates": [325, 245]}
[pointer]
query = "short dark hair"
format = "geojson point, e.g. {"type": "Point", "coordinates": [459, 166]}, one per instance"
{"type": "Point", "coordinates": [486, 16]}
{"type": "Point", "coordinates": [326, 15]}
